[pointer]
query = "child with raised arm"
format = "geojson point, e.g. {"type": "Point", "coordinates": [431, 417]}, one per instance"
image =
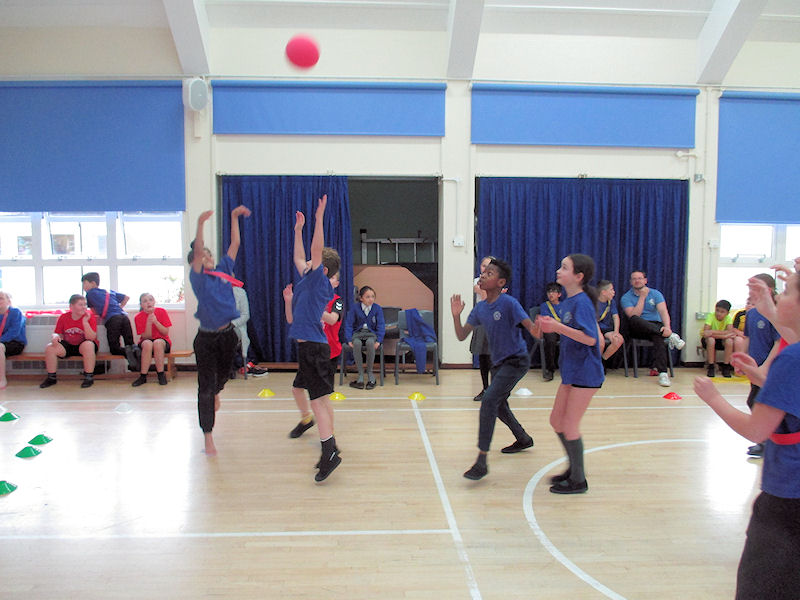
{"type": "Point", "coordinates": [75, 335]}
{"type": "Point", "coordinates": [768, 567]}
{"type": "Point", "coordinates": [12, 333]}
{"type": "Point", "coordinates": [365, 328]}
{"type": "Point", "coordinates": [581, 366]}
{"type": "Point", "coordinates": [152, 325]}
{"type": "Point", "coordinates": [108, 306]}
{"type": "Point", "coordinates": [310, 297]}
{"type": "Point", "coordinates": [216, 341]}
{"type": "Point", "coordinates": [501, 315]}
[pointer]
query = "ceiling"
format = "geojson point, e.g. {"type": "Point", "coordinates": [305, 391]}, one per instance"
{"type": "Point", "coordinates": [719, 26]}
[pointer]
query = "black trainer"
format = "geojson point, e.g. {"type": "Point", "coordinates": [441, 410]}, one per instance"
{"type": "Point", "coordinates": [518, 446]}
{"type": "Point", "coordinates": [547, 375]}
{"type": "Point", "coordinates": [162, 378]}
{"type": "Point", "coordinates": [568, 487]}
{"type": "Point", "coordinates": [300, 429]}
{"type": "Point", "coordinates": [88, 380]}
{"type": "Point", "coordinates": [370, 385]}
{"type": "Point", "coordinates": [326, 465]}
{"type": "Point", "coordinates": [479, 397]}
{"type": "Point", "coordinates": [133, 354]}
{"type": "Point", "coordinates": [476, 472]}
{"type": "Point", "coordinates": [359, 385]}
{"type": "Point", "coordinates": [710, 371]}
{"type": "Point", "coordinates": [48, 382]}
{"type": "Point", "coordinates": [142, 379]}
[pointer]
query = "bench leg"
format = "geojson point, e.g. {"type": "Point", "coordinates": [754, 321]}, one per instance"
{"type": "Point", "coordinates": [171, 367]}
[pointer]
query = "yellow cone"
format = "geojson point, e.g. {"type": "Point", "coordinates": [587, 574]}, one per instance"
{"type": "Point", "coordinates": [337, 397]}
{"type": "Point", "coordinates": [266, 393]}
{"type": "Point", "coordinates": [417, 396]}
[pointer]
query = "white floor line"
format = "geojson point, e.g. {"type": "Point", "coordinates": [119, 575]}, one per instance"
{"type": "Point", "coordinates": [474, 591]}
{"type": "Point", "coordinates": [527, 507]}
{"type": "Point", "coordinates": [227, 534]}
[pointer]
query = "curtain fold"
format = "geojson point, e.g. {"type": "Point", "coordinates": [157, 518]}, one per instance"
{"type": "Point", "coordinates": [624, 224]}
{"type": "Point", "coordinates": [265, 260]}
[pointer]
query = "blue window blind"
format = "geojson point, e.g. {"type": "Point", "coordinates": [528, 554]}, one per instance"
{"type": "Point", "coordinates": [759, 142]}
{"type": "Point", "coordinates": [92, 146]}
{"type": "Point", "coordinates": [308, 108]}
{"type": "Point", "coordinates": [583, 116]}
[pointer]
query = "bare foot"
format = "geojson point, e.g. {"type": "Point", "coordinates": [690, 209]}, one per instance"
{"type": "Point", "coordinates": [216, 403]}
{"type": "Point", "coordinates": [210, 449]}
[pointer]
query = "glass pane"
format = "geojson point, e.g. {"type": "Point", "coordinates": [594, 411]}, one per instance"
{"type": "Point", "coordinates": [732, 284]}
{"type": "Point", "coordinates": [15, 238]}
{"type": "Point", "coordinates": [61, 282]}
{"type": "Point", "coordinates": [792, 241]}
{"type": "Point", "coordinates": [150, 236]}
{"type": "Point", "coordinates": [164, 282]}
{"type": "Point", "coordinates": [20, 282]}
{"type": "Point", "coordinates": [74, 236]}
{"type": "Point", "coordinates": [748, 242]}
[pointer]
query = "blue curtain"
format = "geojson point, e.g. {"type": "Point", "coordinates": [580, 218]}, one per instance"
{"type": "Point", "coordinates": [624, 224]}
{"type": "Point", "coordinates": [265, 261]}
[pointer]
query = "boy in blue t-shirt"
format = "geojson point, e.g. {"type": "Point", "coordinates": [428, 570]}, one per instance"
{"type": "Point", "coordinates": [501, 316]}
{"type": "Point", "coordinates": [108, 306]}
{"type": "Point", "coordinates": [608, 318]}
{"type": "Point", "coordinates": [551, 308]}
{"type": "Point", "coordinates": [216, 340]}
{"type": "Point", "coordinates": [310, 297]}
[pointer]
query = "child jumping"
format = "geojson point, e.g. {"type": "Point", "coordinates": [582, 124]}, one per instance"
{"type": "Point", "coordinates": [500, 315]}
{"type": "Point", "coordinates": [310, 297]}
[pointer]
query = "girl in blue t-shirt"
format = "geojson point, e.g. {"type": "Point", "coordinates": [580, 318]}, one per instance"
{"type": "Point", "coordinates": [580, 363]}
{"type": "Point", "coordinates": [768, 568]}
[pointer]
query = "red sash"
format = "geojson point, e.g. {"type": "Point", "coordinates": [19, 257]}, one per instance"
{"type": "Point", "coordinates": [786, 439]}
{"type": "Point", "coordinates": [105, 306]}
{"type": "Point", "coordinates": [3, 324]}
{"type": "Point", "coordinates": [229, 278]}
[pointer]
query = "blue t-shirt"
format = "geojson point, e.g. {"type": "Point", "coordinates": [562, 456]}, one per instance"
{"type": "Point", "coordinates": [14, 327]}
{"type": "Point", "coordinates": [605, 315]}
{"type": "Point", "coordinates": [781, 473]}
{"type": "Point", "coordinates": [580, 364]}
{"type": "Point", "coordinates": [501, 320]}
{"type": "Point", "coordinates": [96, 300]}
{"type": "Point", "coordinates": [762, 335]}
{"type": "Point", "coordinates": [216, 305]}
{"type": "Point", "coordinates": [311, 295]}
{"type": "Point", "coordinates": [544, 310]}
{"type": "Point", "coordinates": [649, 313]}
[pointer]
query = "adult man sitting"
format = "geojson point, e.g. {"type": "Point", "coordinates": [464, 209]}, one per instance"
{"type": "Point", "coordinates": [649, 320]}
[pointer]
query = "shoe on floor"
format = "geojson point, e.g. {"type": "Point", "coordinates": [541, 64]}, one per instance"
{"type": "Point", "coordinates": [359, 385]}
{"type": "Point", "coordinates": [255, 371]}
{"type": "Point", "coordinates": [663, 380]}
{"type": "Point", "coordinates": [518, 446]}
{"type": "Point", "coordinates": [326, 466]}
{"type": "Point", "coordinates": [162, 378]}
{"type": "Point", "coordinates": [142, 379]}
{"type": "Point", "coordinates": [726, 370]}
{"type": "Point", "coordinates": [568, 487]}
{"type": "Point", "coordinates": [476, 472]}
{"type": "Point", "coordinates": [370, 385]}
{"type": "Point", "coordinates": [133, 354]}
{"type": "Point", "coordinates": [756, 451]}
{"type": "Point", "coordinates": [547, 375]}
{"type": "Point", "coordinates": [653, 373]}
{"type": "Point", "coordinates": [48, 382]}
{"type": "Point", "coordinates": [561, 477]}
{"type": "Point", "coordinates": [479, 397]}
{"type": "Point", "coordinates": [710, 371]}
{"type": "Point", "coordinates": [676, 342]}
{"type": "Point", "coordinates": [88, 380]}
{"type": "Point", "coordinates": [300, 429]}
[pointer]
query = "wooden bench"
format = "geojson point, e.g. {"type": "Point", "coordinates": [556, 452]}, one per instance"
{"type": "Point", "coordinates": [172, 371]}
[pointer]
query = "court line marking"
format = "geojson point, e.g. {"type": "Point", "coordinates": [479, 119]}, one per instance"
{"type": "Point", "coordinates": [527, 507]}
{"type": "Point", "coordinates": [461, 550]}
{"type": "Point", "coordinates": [228, 534]}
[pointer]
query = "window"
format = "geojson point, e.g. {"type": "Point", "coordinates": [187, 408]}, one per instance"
{"type": "Point", "coordinates": [44, 255]}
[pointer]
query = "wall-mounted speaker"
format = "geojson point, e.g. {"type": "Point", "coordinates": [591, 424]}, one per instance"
{"type": "Point", "coordinates": [195, 94]}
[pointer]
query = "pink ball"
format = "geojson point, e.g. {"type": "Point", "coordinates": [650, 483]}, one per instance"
{"type": "Point", "coordinates": [302, 51]}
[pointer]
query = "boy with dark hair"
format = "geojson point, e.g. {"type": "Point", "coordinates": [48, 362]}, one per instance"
{"type": "Point", "coordinates": [108, 306]}
{"type": "Point", "coordinates": [309, 298]}
{"type": "Point", "coordinates": [719, 328]}
{"type": "Point", "coordinates": [75, 334]}
{"type": "Point", "coordinates": [550, 308]}
{"type": "Point", "coordinates": [501, 315]}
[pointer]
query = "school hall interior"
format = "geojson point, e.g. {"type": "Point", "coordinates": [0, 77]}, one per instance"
{"type": "Point", "coordinates": [651, 135]}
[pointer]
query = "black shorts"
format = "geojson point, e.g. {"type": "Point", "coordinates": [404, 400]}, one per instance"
{"type": "Point", "coordinates": [167, 348]}
{"type": "Point", "coordinates": [720, 344]}
{"type": "Point", "coordinates": [13, 347]}
{"type": "Point", "coordinates": [315, 369]}
{"type": "Point", "coordinates": [73, 350]}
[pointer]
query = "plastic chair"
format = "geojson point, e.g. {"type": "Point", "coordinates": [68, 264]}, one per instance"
{"type": "Point", "coordinates": [636, 343]}
{"type": "Point", "coordinates": [343, 361]}
{"type": "Point", "coordinates": [403, 347]}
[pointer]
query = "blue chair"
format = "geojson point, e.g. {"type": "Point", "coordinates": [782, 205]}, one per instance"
{"type": "Point", "coordinates": [635, 345]}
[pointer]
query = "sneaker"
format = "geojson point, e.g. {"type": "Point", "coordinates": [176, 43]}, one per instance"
{"type": "Point", "coordinates": [162, 378]}
{"type": "Point", "coordinates": [710, 371]}
{"type": "Point", "coordinates": [88, 380]}
{"type": "Point", "coordinates": [756, 451]}
{"type": "Point", "coordinates": [133, 354]}
{"type": "Point", "coordinates": [255, 371]}
{"type": "Point", "coordinates": [726, 369]}
{"type": "Point", "coordinates": [141, 380]}
{"type": "Point", "coordinates": [370, 385]}
{"type": "Point", "coordinates": [300, 429]}
{"type": "Point", "coordinates": [479, 397]}
{"type": "Point", "coordinates": [476, 472]}
{"type": "Point", "coordinates": [326, 466]}
{"type": "Point", "coordinates": [359, 385]}
{"type": "Point", "coordinates": [48, 382]}
{"type": "Point", "coordinates": [518, 446]}
{"type": "Point", "coordinates": [653, 373]}
{"type": "Point", "coordinates": [676, 342]}
{"type": "Point", "coordinates": [547, 375]}
{"type": "Point", "coordinates": [568, 487]}
{"type": "Point", "coordinates": [663, 380]}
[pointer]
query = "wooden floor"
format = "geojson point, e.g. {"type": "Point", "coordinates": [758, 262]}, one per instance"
{"type": "Point", "coordinates": [124, 504]}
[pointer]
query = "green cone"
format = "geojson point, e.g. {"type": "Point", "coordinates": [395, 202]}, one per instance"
{"type": "Point", "coordinates": [41, 440]}
{"type": "Point", "coordinates": [6, 488]}
{"type": "Point", "coordinates": [9, 416]}
{"type": "Point", "coordinates": [28, 452]}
